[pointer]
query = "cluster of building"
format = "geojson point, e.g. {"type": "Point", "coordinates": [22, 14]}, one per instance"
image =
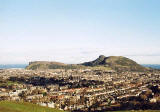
{"type": "Point", "coordinates": [75, 89]}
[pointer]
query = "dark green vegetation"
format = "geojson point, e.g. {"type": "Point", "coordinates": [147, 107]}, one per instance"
{"type": "Point", "coordinates": [6, 106]}
{"type": "Point", "coordinates": [117, 63]}
{"type": "Point", "coordinates": [42, 81]}
{"type": "Point", "coordinates": [7, 83]}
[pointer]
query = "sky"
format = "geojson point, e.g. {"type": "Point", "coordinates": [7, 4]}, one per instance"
{"type": "Point", "coordinates": [75, 31]}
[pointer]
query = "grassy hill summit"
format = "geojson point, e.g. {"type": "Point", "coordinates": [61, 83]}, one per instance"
{"type": "Point", "coordinates": [118, 63]}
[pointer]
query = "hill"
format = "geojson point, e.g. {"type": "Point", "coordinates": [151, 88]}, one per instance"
{"type": "Point", "coordinates": [51, 65]}
{"type": "Point", "coordinates": [6, 106]}
{"type": "Point", "coordinates": [118, 63]}
{"type": "Point", "coordinates": [44, 65]}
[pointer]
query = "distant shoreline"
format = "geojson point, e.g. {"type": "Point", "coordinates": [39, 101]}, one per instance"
{"type": "Point", "coordinates": [12, 66]}
{"type": "Point", "coordinates": [155, 66]}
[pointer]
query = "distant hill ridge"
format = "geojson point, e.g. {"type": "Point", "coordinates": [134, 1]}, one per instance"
{"type": "Point", "coordinates": [118, 63]}
{"type": "Point", "coordinates": [51, 65]}
{"type": "Point", "coordinates": [46, 62]}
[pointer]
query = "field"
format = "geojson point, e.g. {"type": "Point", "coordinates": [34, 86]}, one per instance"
{"type": "Point", "coordinates": [6, 106]}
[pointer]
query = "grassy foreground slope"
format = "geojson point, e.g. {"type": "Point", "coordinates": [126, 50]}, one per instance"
{"type": "Point", "coordinates": [137, 111]}
{"type": "Point", "coordinates": [6, 106]}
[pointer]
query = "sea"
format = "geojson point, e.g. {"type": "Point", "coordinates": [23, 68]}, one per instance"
{"type": "Point", "coordinates": [155, 66]}
{"type": "Point", "coordinates": [8, 66]}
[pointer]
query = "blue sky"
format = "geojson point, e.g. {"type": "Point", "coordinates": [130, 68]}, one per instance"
{"type": "Point", "coordinates": [74, 31]}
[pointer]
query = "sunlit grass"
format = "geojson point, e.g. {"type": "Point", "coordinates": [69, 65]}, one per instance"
{"type": "Point", "coordinates": [136, 111]}
{"type": "Point", "coordinates": [6, 106]}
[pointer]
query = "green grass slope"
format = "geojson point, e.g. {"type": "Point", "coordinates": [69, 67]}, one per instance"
{"type": "Point", "coordinates": [6, 106]}
{"type": "Point", "coordinates": [137, 111]}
